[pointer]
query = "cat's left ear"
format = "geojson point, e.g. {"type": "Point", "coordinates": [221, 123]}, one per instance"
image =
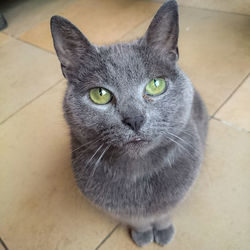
{"type": "Point", "coordinates": [163, 31]}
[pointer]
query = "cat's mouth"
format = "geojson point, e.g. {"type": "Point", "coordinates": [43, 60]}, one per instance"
{"type": "Point", "coordinates": [136, 146]}
{"type": "Point", "coordinates": [137, 143]}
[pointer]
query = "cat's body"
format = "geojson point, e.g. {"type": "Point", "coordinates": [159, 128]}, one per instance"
{"type": "Point", "coordinates": [128, 192]}
{"type": "Point", "coordinates": [138, 155]}
{"type": "Point", "coordinates": [129, 187]}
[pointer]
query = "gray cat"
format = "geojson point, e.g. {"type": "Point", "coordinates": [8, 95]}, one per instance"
{"type": "Point", "coordinates": [137, 124]}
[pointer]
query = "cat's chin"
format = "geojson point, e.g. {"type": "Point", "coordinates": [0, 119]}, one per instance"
{"type": "Point", "coordinates": [137, 148]}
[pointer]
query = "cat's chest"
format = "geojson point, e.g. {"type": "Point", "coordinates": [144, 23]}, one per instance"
{"type": "Point", "coordinates": [133, 195]}
{"type": "Point", "coordinates": [131, 192]}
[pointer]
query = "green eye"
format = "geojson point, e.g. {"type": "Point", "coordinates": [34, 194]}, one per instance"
{"type": "Point", "coordinates": [100, 95]}
{"type": "Point", "coordinates": [156, 86]}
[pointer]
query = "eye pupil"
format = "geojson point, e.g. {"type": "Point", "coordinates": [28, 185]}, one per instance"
{"type": "Point", "coordinates": [100, 91]}
{"type": "Point", "coordinates": [156, 83]}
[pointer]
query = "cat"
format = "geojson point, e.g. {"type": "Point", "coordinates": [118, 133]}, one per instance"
{"type": "Point", "coordinates": [138, 126]}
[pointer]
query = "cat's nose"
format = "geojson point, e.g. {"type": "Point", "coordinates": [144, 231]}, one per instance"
{"type": "Point", "coordinates": [134, 122]}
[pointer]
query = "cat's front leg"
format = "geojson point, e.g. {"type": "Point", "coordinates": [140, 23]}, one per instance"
{"type": "Point", "coordinates": [163, 231]}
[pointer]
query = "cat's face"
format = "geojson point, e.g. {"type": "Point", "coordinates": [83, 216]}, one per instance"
{"type": "Point", "coordinates": [129, 96]}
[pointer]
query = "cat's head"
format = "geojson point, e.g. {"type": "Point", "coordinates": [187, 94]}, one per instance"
{"type": "Point", "coordinates": [128, 96]}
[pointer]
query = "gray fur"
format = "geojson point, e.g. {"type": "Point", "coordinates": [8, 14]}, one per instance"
{"type": "Point", "coordinates": [164, 236]}
{"type": "Point", "coordinates": [139, 184]}
{"type": "Point", "coordinates": [142, 238]}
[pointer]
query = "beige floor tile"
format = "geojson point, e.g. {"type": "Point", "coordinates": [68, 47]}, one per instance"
{"type": "Point", "coordinates": [103, 24]}
{"type": "Point", "coordinates": [214, 51]}
{"type": "Point", "coordinates": [239, 6]}
{"type": "Point", "coordinates": [136, 32]}
{"type": "Point", "coordinates": [22, 15]}
{"type": "Point", "coordinates": [237, 109]}
{"type": "Point", "coordinates": [25, 72]}
{"type": "Point", "coordinates": [41, 207]}
{"type": "Point", "coordinates": [3, 38]}
{"type": "Point", "coordinates": [216, 214]}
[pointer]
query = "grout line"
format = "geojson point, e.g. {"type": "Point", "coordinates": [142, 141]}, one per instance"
{"type": "Point", "coordinates": [102, 242]}
{"type": "Point", "coordinates": [214, 10]}
{"type": "Point", "coordinates": [4, 32]}
{"type": "Point", "coordinates": [201, 8]}
{"type": "Point", "coordinates": [20, 40]}
{"type": "Point", "coordinates": [32, 100]}
{"type": "Point", "coordinates": [231, 125]}
{"type": "Point", "coordinates": [31, 44]}
{"type": "Point", "coordinates": [3, 244]}
{"type": "Point", "coordinates": [229, 97]}
{"type": "Point", "coordinates": [55, 12]}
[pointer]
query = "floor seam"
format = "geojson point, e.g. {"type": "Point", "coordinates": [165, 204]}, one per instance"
{"type": "Point", "coordinates": [107, 237]}
{"type": "Point", "coordinates": [31, 44]}
{"type": "Point", "coordinates": [200, 8]}
{"type": "Point", "coordinates": [38, 47]}
{"type": "Point", "coordinates": [229, 124]}
{"type": "Point", "coordinates": [37, 23]}
{"type": "Point", "coordinates": [32, 100]}
{"type": "Point", "coordinates": [3, 244]}
{"type": "Point", "coordinates": [230, 96]}
{"type": "Point", "coordinates": [214, 10]}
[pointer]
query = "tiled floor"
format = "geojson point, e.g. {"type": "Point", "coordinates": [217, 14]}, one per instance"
{"type": "Point", "coordinates": [40, 205]}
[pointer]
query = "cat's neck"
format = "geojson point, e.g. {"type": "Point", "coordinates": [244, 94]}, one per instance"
{"type": "Point", "coordinates": [125, 166]}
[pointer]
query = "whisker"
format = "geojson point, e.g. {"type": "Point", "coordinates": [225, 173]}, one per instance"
{"type": "Point", "coordinates": [85, 144]}
{"type": "Point", "coordinates": [180, 146]}
{"type": "Point", "coordinates": [162, 123]}
{"type": "Point", "coordinates": [103, 137]}
{"type": "Point", "coordinates": [181, 140]}
{"type": "Point", "coordinates": [89, 125]}
{"type": "Point", "coordinates": [99, 159]}
{"type": "Point", "coordinates": [170, 165]}
{"type": "Point", "coordinates": [185, 132]}
{"type": "Point", "coordinates": [94, 154]}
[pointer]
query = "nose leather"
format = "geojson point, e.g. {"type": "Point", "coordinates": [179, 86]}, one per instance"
{"type": "Point", "coordinates": [134, 122]}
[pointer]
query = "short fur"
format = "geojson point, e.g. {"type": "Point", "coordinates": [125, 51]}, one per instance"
{"type": "Point", "coordinates": [137, 183]}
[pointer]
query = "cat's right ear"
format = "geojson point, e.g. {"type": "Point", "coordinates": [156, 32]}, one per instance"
{"type": "Point", "coordinates": [163, 32]}
{"type": "Point", "coordinates": [70, 44]}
